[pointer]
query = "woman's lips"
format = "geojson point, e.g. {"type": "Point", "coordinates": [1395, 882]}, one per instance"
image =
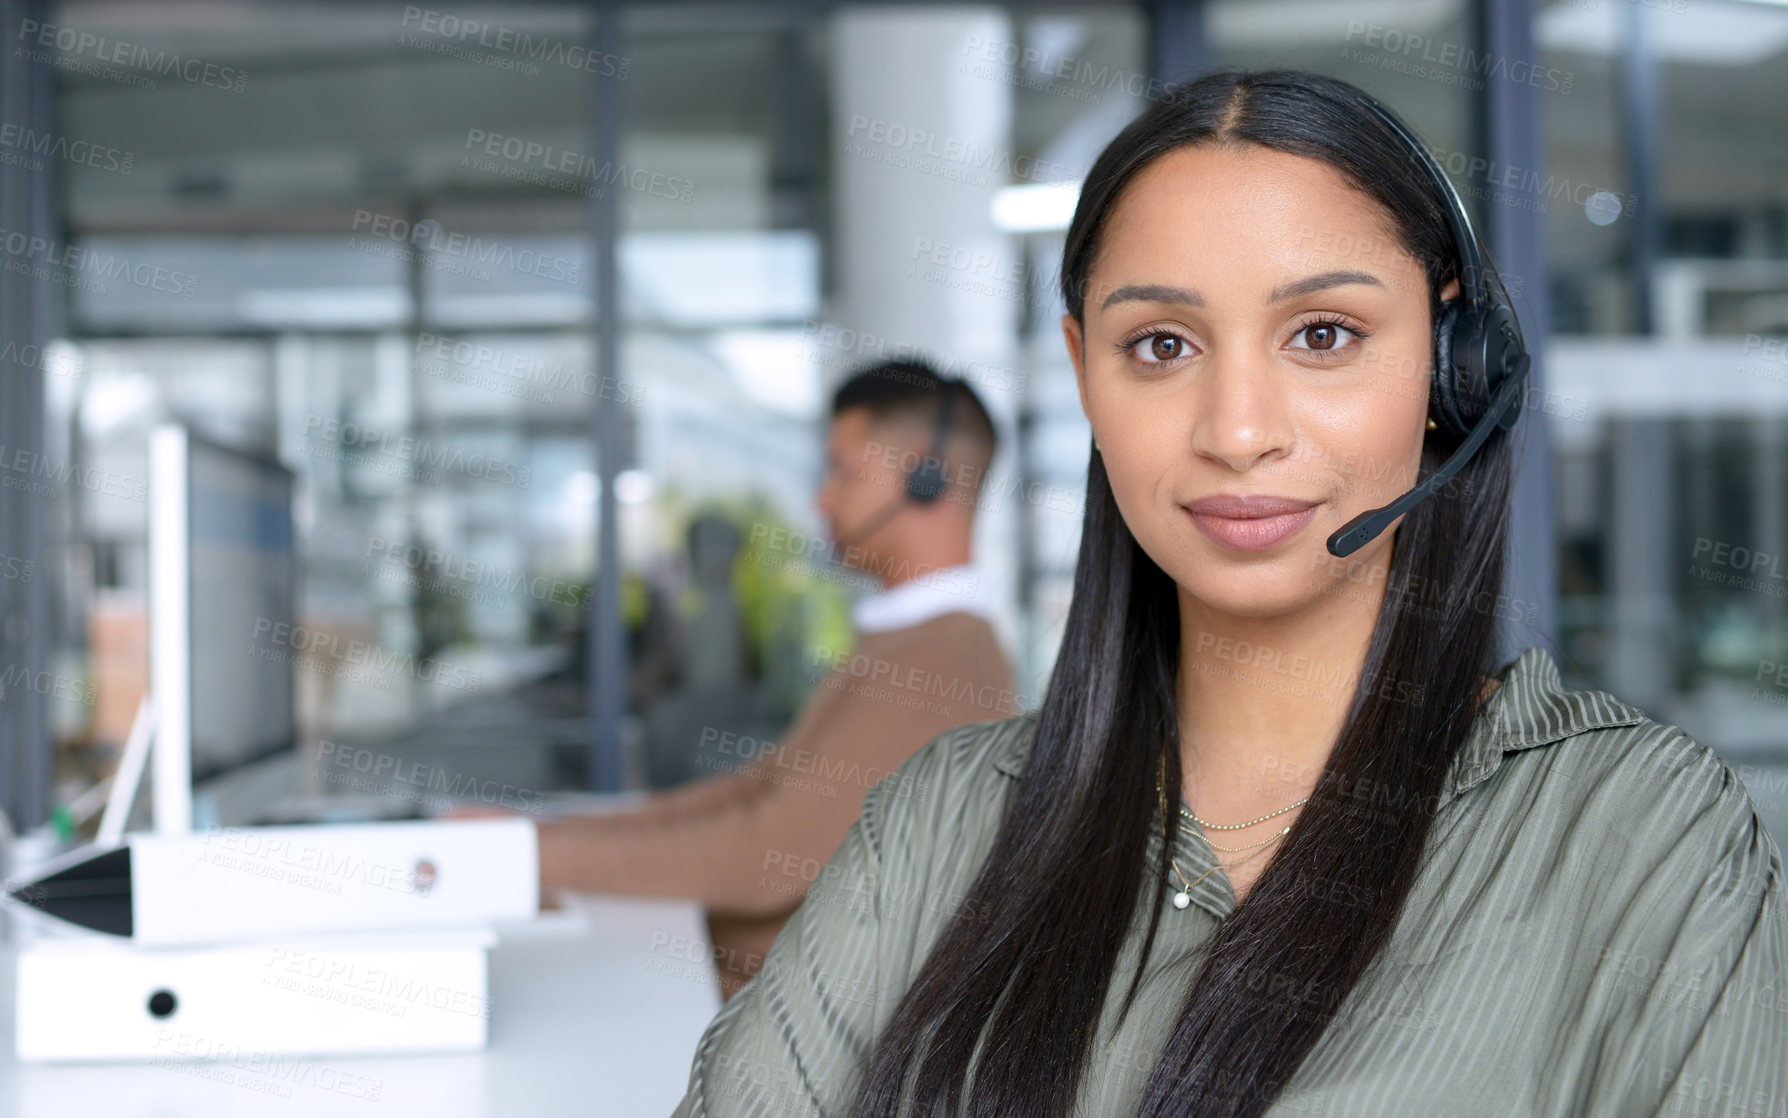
{"type": "Point", "coordinates": [1251, 532]}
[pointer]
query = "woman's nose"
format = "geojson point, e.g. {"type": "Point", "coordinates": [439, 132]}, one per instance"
{"type": "Point", "coordinates": [1240, 412]}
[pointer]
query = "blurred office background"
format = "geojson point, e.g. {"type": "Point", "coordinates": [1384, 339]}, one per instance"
{"type": "Point", "coordinates": [371, 239]}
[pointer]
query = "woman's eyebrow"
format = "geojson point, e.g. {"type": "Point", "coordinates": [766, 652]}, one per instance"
{"type": "Point", "coordinates": [1165, 293]}
{"type": "Point", "coordinates": [1322, 281]}
{"type": "Point", "coordinates": [1152, 293]}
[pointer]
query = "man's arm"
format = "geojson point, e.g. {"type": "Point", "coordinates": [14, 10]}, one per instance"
{"type": "Point", "coordinates": [743, 847]}
{"type": "Point", "coordinates": [695, 797]}
{"type": "Point", "coordinates": [754, 848]}
{"type": "Point", "coordinates": [560, 840]}
{"type": "Point", "coordinates": [567, 845]}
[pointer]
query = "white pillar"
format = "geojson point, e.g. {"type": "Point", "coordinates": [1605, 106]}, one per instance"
{"type": "Point", "coordinates": [921, 141]}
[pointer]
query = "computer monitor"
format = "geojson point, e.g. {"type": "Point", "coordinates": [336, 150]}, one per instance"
{"type": "Point", "coordinates": [223, 576]}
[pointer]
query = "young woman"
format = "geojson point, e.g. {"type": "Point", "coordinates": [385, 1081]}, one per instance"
{"type": "Point", "coordinates": [1395, 878]}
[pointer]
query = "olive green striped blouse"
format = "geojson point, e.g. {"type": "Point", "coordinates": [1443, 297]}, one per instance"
{"type": "Point", "coordinates": [1599, 928]}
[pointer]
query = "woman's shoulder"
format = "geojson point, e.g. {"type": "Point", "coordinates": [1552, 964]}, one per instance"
{"type": "Point", "coordinates": [1674, 892]}
{"type": "Point", "coordinates": [1613, 774]}
{"type": "Point", "coordinates": [952, 768]}
{"type": "Point", "coordinates": [1672, 799]}
{"type": "Point", "coordinates": [949, 796]}
{"type": "Point", "coordinates": [1650, 771]}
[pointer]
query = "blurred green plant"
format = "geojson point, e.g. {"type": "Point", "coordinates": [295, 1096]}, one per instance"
{"type": "Point", "coordinates": [792, 608]}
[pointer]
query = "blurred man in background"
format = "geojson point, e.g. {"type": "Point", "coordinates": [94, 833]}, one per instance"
{"type": "Point", "coordinates": [906, 453]}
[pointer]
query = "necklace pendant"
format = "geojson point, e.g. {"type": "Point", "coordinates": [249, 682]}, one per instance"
{"type": "Point", "coordinates": [1181, 899]}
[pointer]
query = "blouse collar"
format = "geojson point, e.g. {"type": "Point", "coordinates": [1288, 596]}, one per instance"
{"type": "Point", "coordinates": [1531, 708]}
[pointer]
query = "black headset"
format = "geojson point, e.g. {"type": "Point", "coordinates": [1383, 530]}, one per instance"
{"type": "Point", "coordinates": [1480, 359]}
{"type": "Point", "coordinates": [927, 481]}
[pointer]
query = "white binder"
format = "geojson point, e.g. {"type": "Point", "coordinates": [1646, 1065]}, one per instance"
{"type": "Point", "coordinates": [228, 884]}
{"type": "Point", "coordinates": [85, 997]}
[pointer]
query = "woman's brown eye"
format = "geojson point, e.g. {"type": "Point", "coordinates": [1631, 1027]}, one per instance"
{"type": "Point", "coordinates": [1326, 337]}
{"type": "Point", "coordinates": [1164, 347]}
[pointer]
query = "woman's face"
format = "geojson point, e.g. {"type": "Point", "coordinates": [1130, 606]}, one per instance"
{"type": "Point", "coordinates": [1253, 330]}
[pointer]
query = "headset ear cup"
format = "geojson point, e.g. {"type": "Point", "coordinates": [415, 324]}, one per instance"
{"type": "Point", "coordinates": [925, 484]}
{"type": "Point", "coordinates": [928, 481]}
{"type": "Point", "coordinates": [1444, 388]}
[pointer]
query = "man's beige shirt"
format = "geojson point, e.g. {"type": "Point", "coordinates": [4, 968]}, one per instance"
{"type": "Point", "coordinates": [1599, 928]}
{"type": "Point", "coordinates": [748, 843]}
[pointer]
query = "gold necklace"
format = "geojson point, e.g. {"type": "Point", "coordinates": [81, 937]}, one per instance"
{"type": "Point", "coordinates": [1184, 897]}
{"type": "Point", "coordinates": [1188, 813]}
{"type": "Point", "coordinates": [1283, 831]}
{"type": "Point", "coordinates": [1161, 787]}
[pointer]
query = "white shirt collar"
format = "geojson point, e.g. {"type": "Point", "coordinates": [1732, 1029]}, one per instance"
{"type": "Point", "coordinates": [923, 597]}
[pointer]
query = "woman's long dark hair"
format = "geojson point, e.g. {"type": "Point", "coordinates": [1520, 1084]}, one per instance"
{"type": "Point", "coordinates": [1028, 976]}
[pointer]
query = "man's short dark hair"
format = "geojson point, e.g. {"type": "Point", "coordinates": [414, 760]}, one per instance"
{"type": "Point", "coordinates": [911, 391]}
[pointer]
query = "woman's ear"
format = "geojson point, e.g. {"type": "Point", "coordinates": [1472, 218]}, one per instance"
{"type": "Point", "coordinates": [1075, 337]}
{"type": "Point", "coordinates": [1450, 291]}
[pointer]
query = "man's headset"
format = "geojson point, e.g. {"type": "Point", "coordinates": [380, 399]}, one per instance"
{"type": "Point", "coordinates": [1480, 361]}
{"type": "Point", "coordinates": [925, 482]}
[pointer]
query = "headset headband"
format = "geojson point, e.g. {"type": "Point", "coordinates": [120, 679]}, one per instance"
{"type": "Point", "coordinates": [929, 479]}
{"type": "Point", "coordinates": [1470, 261]}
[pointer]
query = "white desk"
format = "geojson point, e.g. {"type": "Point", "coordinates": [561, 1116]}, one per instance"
{"type": "Point", "coordinates": [594, 1011]}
